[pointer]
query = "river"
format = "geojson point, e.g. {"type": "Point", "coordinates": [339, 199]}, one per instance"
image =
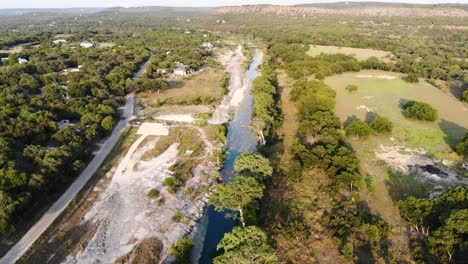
{"type": "Point", "coordinates": [240, 139]}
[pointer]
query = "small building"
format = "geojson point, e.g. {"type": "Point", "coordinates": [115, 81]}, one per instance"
{"type": "Point", "coordinates": [22, 61]}
{"type": "Point", "coordinates": [63, 123]}
{"type": "Point", "coordinates": [2, 60]}
{"type": "Point", "coordinates": [181, 70]}
{"type": "Point", "coordinates": [59, 41]}
{"type": "Point", "coordinates": [163, 71]}
{"type": "Point", "coordinates": [86, 44]}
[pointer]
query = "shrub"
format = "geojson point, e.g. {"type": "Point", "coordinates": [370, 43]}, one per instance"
{"type": "Point", "coordinates": [351, 88]}
{"type": "Point", "coordinates": [153, 193]}
{"type": "Point", "coordinates": [358, 128]}
{"type": "Point", "coordinates": [172, 184]}
{"type": "Point", "coordinates": [181, 250]}
{"type": "Point", "coordinates": [381, 125]}
{"type": "Point", "coordinates": [419, 110]}
{"type": "Point", "coordinates": [319, 76]}
{"type": "Point", "coordinates": [412, 78]}
{"type": "Point", "coordinates": [178, 217]}
{"type": "Point", "coordinates": [462, 147]}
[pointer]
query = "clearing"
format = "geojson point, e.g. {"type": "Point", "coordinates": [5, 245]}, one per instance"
{"type": "Point", "coordinates": [413, 159]}
{"type": "Point", "coordinates": [384, 95]}
{"type": "Point", "coordinates": [360, 54]}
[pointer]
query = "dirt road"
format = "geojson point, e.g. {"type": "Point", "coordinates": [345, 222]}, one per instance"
{"type": "Point", "coordinates": [57, 208]}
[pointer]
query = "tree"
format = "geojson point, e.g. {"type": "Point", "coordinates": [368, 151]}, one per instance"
{"type": "Point", "coordinates": [245, 246]}
{"type": "Point", "coordinates": [415, 211]}
{"type": "Point", "coordinates": [181, 250]}
{"type": "Point", "coordinates": [255, 164]}
{"type": "Point", "coordinates": [107, 123]}
{"type": "Point", "coordinates": [381, 125]}
{"type": "Point", "coordinates": [7, 207]}
{"type": "Point", "coordinates": [419, 110]}
{"type": "Point", "coordinates": [351, 88]}
{"type": "Point", "coordinates": [358, 128]}
{"type": "Point", "coordinates": [236, 195]}
{"type": "Point", "coordinates": [443, 244]}
{"type": "Point", "coordinates": [412, 78]}
{"type": "Point", "coordinates": [462, 147]}
{"type": "Point", "coordinates": [259, 126]}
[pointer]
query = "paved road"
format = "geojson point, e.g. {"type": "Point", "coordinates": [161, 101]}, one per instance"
{"type": "Point", "coordinates": [57, 208]}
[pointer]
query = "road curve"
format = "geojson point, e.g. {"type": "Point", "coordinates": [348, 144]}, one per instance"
{"type": "Point", "coordinates": [59, 206]}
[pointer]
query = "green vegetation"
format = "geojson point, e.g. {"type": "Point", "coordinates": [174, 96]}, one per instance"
{"type": "Point", "coordinates": [359, 129]}
{"type": "Point", "coordinates": [360, 54]}
{"type": "Point", "coordinates": [153, 193]}
{"type": "Point", "coordinates": [172, 184]}
{"type": "Point", "coordinates": [419, 110]}
{"type": "Point", "coordinates": [462, 147]}
{"type": "Point", "coordinates": [439, 225]}
{"type": "Point", "coordinates": [245, 245]}
{"type": "Point", "coordinates": [181, 250]}
{"type": "Point", "coordinates": [351, 88]}
{"type": "Point", "coordinates": [255, 164]}
{"type": "Point", "coordinates": [381, 125]}
{"type": "Point", "coordinates": [177, 217]}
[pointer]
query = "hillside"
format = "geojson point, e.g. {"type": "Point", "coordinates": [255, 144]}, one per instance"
{"type": "Point", "coordinates": [350, 10]}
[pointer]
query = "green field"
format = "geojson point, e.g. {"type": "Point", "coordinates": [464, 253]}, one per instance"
{"type": "Point", "coordinates": [382, 95]}
{"type": "Point", "coordinates": [360, 54]}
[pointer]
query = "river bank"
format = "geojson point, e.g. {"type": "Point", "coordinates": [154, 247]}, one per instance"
{"type": "Point", "coordinates": [240, 139]}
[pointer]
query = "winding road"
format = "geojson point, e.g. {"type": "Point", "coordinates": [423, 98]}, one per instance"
{"type": "Point", "coordinates": [59, 206]}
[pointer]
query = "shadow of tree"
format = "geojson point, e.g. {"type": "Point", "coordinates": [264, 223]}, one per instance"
{"type": "Point", "coordinates": [349, 120]}
{"type": "Point", "coordinates": [370, 116]}
{"type": "Point", "coordinates": [176, 84]}
{"type": "Point", "coordinates": [453, 132]}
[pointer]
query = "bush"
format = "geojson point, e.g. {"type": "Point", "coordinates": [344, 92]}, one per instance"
{"type": "Point", "coordinates": [178, 217]}
{"type": "Point", "coordinates": [462, 147]}
{"type": "Point", "coordinates": [419, 110]}
{"type": "Point", "coordinates": [319, 76]}
{"type": "Point", "coordinates": [358, 128]}
{"type": "Point", "coordinates": [172, 184]}
{"type": "Point", "coordinates": [153, 193]}
{"type": "Point", "coordinates": [351, 88]}
{"type": "Point", "coordinates": [412, 78]}
{"type": "Point", "coordinates": [181, 250]}
{"type": "Point", "coordinates": [381, 125]}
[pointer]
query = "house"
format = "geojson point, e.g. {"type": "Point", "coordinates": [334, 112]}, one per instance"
{"type": "Point", "coordinates": [63, 123]}
{"type": "Point", "coordinates": [22, 61]}
{"type": "Point", "coordinates": [207, 45]}
{"type": "Point", "coordinates": [2, 60]}
{"type": "Point", "coordinates": [181, 70]}
{"type": "Point", "coordinates": [86, 44]}
{"type": "Point", "coordinates": [59, 41]}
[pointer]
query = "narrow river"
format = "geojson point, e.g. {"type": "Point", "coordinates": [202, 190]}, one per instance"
{"type": "Point", "coordinates": [240, 139]}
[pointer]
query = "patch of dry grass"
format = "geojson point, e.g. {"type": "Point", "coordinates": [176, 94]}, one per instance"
{"type": "Point", "coordinates": [202, 88]}
{"type": "Point", "coordinates": [360, 54]}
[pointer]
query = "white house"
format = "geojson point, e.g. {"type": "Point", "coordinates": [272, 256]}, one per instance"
{"type": "Point", "coordinates": [59, 41]}
{"type": "Point", "coordinates": [86, 44]}
{"type": "Point", "coordinates": [63, 123]}
{"type": "Point", "coordinates": [181, 70]}
{"type": "Point", "coordinates": [3, 60]}
{"type": "Point", "coordinates": [22, 61]}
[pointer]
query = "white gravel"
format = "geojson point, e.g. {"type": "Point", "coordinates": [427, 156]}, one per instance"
{"type": "Point", "coordinates": [177, 118]}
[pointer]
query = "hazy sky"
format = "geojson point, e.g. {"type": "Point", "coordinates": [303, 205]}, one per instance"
{"type": "Point", "coordinates": [127, 3]}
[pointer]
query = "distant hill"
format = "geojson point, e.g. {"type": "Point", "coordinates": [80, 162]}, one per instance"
{"type": "Point", "coordinates": [19, 11]}
{"type": "Point", "coordinates": [351, 9]}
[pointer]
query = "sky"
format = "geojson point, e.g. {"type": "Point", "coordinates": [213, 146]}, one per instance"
{"type": "Point", "coordinates": [185, 3]}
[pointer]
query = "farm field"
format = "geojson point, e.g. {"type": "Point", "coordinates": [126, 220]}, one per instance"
{"type": "Point", "coordinates": [360, 54]}
{"type": "Point", "coordinates": [382, 92]}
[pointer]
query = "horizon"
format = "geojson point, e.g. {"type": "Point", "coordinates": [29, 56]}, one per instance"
{"type": "Point", "coordinates": [31, 4]}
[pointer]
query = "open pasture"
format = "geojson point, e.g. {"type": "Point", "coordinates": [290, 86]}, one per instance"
{"type": "Point", "coordinates": [382, 93]}
{"type": "Point", "coordinates": [360, 54]}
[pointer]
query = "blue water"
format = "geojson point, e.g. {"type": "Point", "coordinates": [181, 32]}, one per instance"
{"type": "Point", "coordinates": [240, 139]}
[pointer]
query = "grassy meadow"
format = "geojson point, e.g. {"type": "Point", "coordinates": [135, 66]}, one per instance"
{"type": "Point", "coordinates": [380, 94]}
{"type": "Point", "coordinates": [360, 54]}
